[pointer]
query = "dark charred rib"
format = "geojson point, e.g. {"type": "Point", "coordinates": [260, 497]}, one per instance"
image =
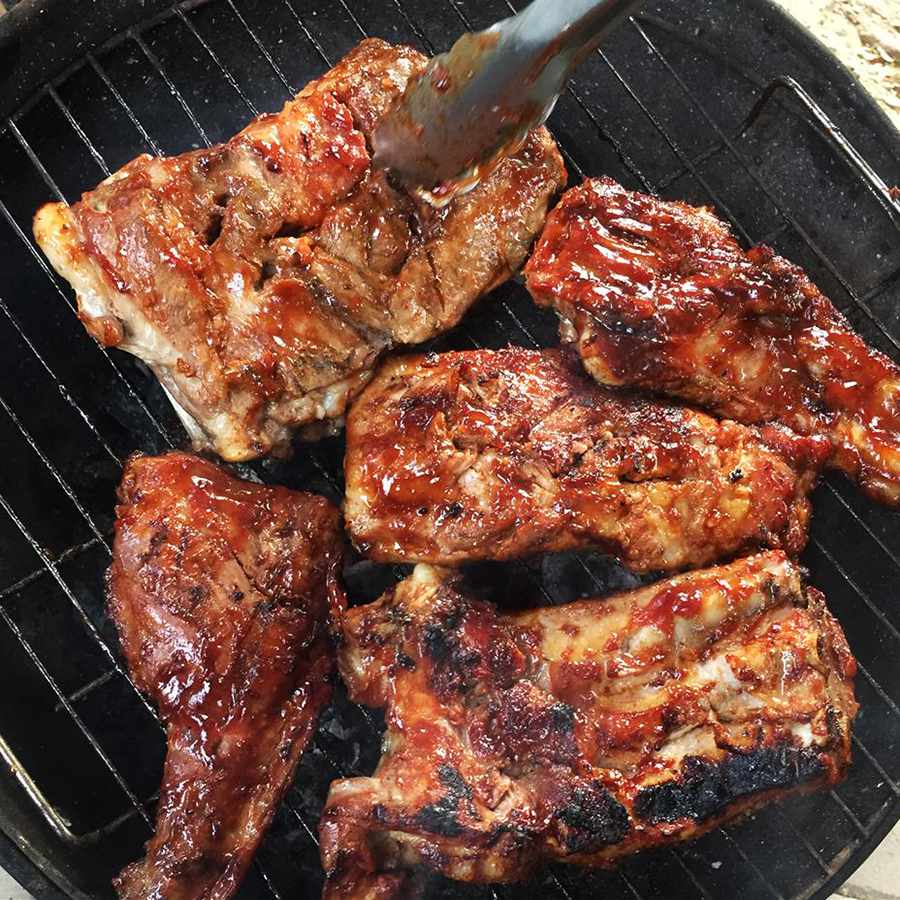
{"type": "Point", "coordinates": [495, 455]}
{"type": "Point", "coordinates": [706, 788]}
{"type": "Point", "coordinates": [585, 732]}
{"type": "Point", "coordinates": [659, 295]}
{"type": "Point", "coordinates": [219, 589]}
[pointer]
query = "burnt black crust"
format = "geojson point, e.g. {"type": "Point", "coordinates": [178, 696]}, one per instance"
{"type": "Point", "coordinates": [438, 641]}
{"type": "Point", "coordinates": [707, 787]}
{"type": "Point", "coordinates": [594, 818]}
{"type": "Point", "coordinates": [562, 717]}
{"type": "Point", "coordinates": [443, 644]}
{"type": "Point", "coordinates": [442, 817]}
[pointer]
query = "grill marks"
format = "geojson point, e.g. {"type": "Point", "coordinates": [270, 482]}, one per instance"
{"type": "Point", "coordinates": [261, 278]}
{"type": "Point", "coordinates": [516, 738]}
{"type": "Point", "coordinates": [442, 817]}
{"type": "Point", "coordinates": [496, 455]}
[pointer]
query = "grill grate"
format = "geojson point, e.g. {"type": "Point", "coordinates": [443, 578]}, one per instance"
{"type": "Point", "coordinates": [193, 74]}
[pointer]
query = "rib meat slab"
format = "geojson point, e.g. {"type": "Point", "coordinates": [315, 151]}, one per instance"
{"type": "Point", "coordinates": [261, 278]}
{"type": "Point", "coordinates": [501, 454]}
{"type": "Point", "coordinates": [584, 732]}
{"type": "Point", "coordinates": [659, 295]}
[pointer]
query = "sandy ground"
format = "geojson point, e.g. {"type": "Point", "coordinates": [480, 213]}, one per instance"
{"type": "Point", "coordinates": [865, 36]}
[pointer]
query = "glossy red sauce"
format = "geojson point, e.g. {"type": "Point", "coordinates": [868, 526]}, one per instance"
{"type": "Point", "coordinates": [662, 296]}
{"type": "Point", "coordinates": [218, 589]}
{"type": "Point", "coordinates": [667, 605]}
{"type": "Point", "coordinates": [489, 768]}
{"type": "Point", "coordinates": [446, 453]}
{"type": "Point", "coordinates": [614, 729]}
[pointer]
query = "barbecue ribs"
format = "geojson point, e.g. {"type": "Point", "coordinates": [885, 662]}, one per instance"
{"type": "Point", "coordinates": [659, 295]}
{"type": "Point", "coordinates": [219, 591]}
{"type": "Point", "coordinates": [261, 278]}
{"type": "Point", "coordinates": [584, 732]}
{"type": "Point", "coordinates": [495, 455]}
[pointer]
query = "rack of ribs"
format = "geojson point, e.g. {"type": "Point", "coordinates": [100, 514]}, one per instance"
{"type": "Point", "coordinates": [220, 592]}
{"type": "Point", "coordinates": [659, 295]}
{"type": "Point", "coordinates": [501, 454]}
{"type": "Point", "coordinates": [261, 278]}
{"type": "Point", "coordinates": [584, 732]}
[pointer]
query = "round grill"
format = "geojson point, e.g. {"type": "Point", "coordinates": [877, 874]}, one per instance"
{"type": "Point", "coordinates": [725, 102]}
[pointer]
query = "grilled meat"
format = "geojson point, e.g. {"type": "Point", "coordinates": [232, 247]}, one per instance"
{"type": "Point", "coordinates": [659, 295]}
{"type": "Point", "coordinates": [495, 455]}
{"type": "Point", "coordinates": [584, 732]}
{"type": "Point", "coordinates": [260, 279]}
{"type": "Point", "coordinates": [219, 591]}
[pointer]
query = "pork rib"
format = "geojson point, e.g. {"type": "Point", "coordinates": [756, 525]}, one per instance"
{"type": "Point", "coordinates": [261, 278]}
{"type": "Point", "coordinates": [659, 295]}
{"type": "Point", "coordinates": [584, 732]}
{"type": "Point", "coordinates": [501, 454]}
{"type": "Point", "coordinates": [218, 588]}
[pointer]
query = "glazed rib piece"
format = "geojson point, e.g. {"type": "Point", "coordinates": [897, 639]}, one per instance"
{"type": "Point", "coordinates": [584, 732]}
{"type": "Point", "coordinates": [261, 278]}
{"type": "Point", "coordinates": [496, 455]}
{"type": "Point", "coordinates": [219, 588]}
{"type": "Point", "coordinates": [659, 295]}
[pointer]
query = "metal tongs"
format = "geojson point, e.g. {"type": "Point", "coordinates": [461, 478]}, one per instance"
{"type": "Point", "coordinates": [475, 104]}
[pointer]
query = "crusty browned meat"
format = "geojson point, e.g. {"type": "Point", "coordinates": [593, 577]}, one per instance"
{"type": "Point", "coordinates": [659, 295]}
{"type": "Point", "coordinates": [584, 732]}
{"type": "Point", "coordinates": [219, 591]}
{"type": "Point", "coordinates": [495, 455]}
{"type": "Point", "coordinates": [260, 279]}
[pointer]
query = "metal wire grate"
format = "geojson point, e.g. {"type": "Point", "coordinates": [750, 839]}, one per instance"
{"type": "Point", "coordinates": [85, 747]}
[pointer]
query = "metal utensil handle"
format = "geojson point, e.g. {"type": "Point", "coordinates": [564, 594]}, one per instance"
{"type": "Point", "coordinates": [575, 27]}
{"type": "Point", "coordinates": [483, 96]}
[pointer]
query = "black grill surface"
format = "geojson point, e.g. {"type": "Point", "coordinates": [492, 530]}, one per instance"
{"type": "Point", "coordinates": [677, 103]}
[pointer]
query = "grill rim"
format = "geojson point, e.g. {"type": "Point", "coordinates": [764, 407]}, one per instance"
{"type": "Point", "coordinates": [75, 35]}
{"type": "Point", "coordinates": [97, 25]}
{"type": "Point", "coordinates": [38, 15]}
